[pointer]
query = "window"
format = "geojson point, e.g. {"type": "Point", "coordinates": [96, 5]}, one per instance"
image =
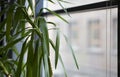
{"type": "Point", "coordinates": [114, 33]}
{"type": "Point", "coordinates": [71, 3]}
{"type": "Point", "coordinates": [92, 31]}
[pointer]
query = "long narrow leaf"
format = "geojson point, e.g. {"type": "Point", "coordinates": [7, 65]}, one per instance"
{"type": "Point", "coordinates": [29, 70]}
{"type": "Point", "coordinates": [63, 8]}
{"type": "Point", "coordinates": [52, 44]}
{"type": "Point", "coordinates": [57, 49]}
{"type": "Point", "coordinates": [46, 65]}
{"type": "Point", "coordinates": [50, 68]}
{"type": "Point", "coordinates": [56, 14]}
{"type": "Point", "coordinates": [4, 68]}
{"type": "Point", "coordinates": [31, 5]}
{"type": "Point", "coordinates": [51, 1]}
{"type": "Point", "coordinates": [52, 23]}
{"type": "Point", "coordinates": [44, 30]}
{"type": "Point", "coordinates": [63, 65]}
{"type": "Point", "coordinates": [2, 24]}
{"type": "Point", "coordinates": [12, 43]}
{"type": "Point", "coordinates": [19, 66]}
{"type": "Point", "coordinates": [65, 1]}
{"type": "Point", "coordinates": [37, 55]}
{"type": "Point", "coordinates": [72, 52]}
{"type": "Point", "coordinates": [9, 21]}
{"type": "Point", "coordinates": [59, 56]}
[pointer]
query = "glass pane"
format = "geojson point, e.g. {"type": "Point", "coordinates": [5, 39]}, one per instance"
{"type": "Point", "coordinates": [113, 54]}
{"type": "Point", "coordinates": [93, 36]}
{"type": "Point", "coordinates": [72, 3]}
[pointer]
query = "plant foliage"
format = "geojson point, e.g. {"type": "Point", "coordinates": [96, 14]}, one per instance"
{"type": "Point", "coordinates": [35, 40]}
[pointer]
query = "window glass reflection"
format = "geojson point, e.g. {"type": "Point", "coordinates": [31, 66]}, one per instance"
{"type": "Point", "coordinates": [93, 36]}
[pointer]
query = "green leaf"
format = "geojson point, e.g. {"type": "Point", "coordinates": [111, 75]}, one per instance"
{"type": "Point", "coordinates": [63, 8]}
{"type": "Point", "coordinates": [15, 36]}
{"type": "Point", "coordinates": [72, 52]}
{"type": "Point", "coordinates": [52, 23]}
{"type": "Point", "coordinates": [14, 49]}
{"type": "Point", "coordinates": [32, 23]}
{"type": "Point", "coordinates": [36, 59]}
{"type": "Point", "coordinates": [50, 68]}
{"type": "Point", "coordinates": [20, 62]}
{"type": "Point", "coordinates": [52, 44]}
{"type": "Point", "coordinates": [45, 39]}
{"type": "Point", "coordinates": [2, 34]}
{"type": "Point", "coordinates": [51, 1]}
{"type": "Point", "coordinates": [46, 65]}
{"type": "Point", "coordinates": [2, 25]}
{"type": "Point", "coordinates": [12, 43]}
{"type": "Point", "coordinates": [31, 6]}
{"type": "Point", "coordinates": [9, 21]}
{"type": "Point", "coordinates": [27, 17]}
{"type": "Point", "coordinates": [8, 63]}
{"type": "Point", "coordinates": [56, 14]}
{"type": "Point", "coordinates": [40, 61]}
{"type": "Point", "coordinates": [18, 15]}
{"type": "Point", "coordinates": [59, 56]}
{"type": "Point", "coordinates": [30, 57]}
{"type": "Point", "coordinates": [24, 70]}
{"type": "Point", "coordinates": [62, 65]}
{"type": "Point", "coordinates": [65, 1]}
{"type": "Point", "coordinates": [57, 48]}
{"type": "Point", "coordinates": [53, 28]}
{"type": "Point", "coordinates": [21, 2]}
{"type": "Point", "coordinates": [4, 68]}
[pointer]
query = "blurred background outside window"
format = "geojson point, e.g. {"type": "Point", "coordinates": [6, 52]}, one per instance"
{"type": "Point", "coordinates": [93, 36]}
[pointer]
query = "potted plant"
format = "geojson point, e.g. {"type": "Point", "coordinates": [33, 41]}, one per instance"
{"type": "Point", "coordinates": [34, 38]}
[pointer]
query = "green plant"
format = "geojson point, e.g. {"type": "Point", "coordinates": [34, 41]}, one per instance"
{"type": "Point", "coordinates": [13, 30]}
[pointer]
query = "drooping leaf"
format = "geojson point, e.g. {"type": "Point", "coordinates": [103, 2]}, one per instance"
{"type": "Point", "coordinates": [15, 50]}
{"type": "Point", "coordinates": [50, 68]}
{"type": "Point", "coordinates": [51, 1]}
{"type": "Point", "coordinates": [52, 23]}
{"type": "Point", "coordinates": [63, 8]}
{"type": "Point", "coordinates": [63, 66]}
{"type": "Point", "coordinates": [40, 62]}
{"type": "Point", "coordinates": [59, 56]}
{"type": "Point", "coordinates": [65, 1]}
{"type": "Point", "coordinates": [4, 68]}
{"type": "Point", "coordinates": [12, 43]}
{"type": "Point", "coordinates": [46, 66]}
{"type": "Point", "coordinates": [53, 28]}
{"type": "Point", "coordinates": [52, 44]}
{"type": "Point", "coordinates": [29, 68]}
{"type": "Point", "coordinates": [19, 66]}
{"type": "Point", "coordinates": [45, 39]}
{"type": "Point", "coordinates": [57, 48]}
{"type": "Point", "coordinates": [56, 14]}
{"type": "Point", "coordinates": [36, 59]}
{"type": "Point", "coordinates": [2, 34]}
{"type": "Point", "coordinates": [68, 43]}
{"type": "Point", "coordinates": [9, 21]}
{"type": "Point", "coordinates": [18, 17]}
